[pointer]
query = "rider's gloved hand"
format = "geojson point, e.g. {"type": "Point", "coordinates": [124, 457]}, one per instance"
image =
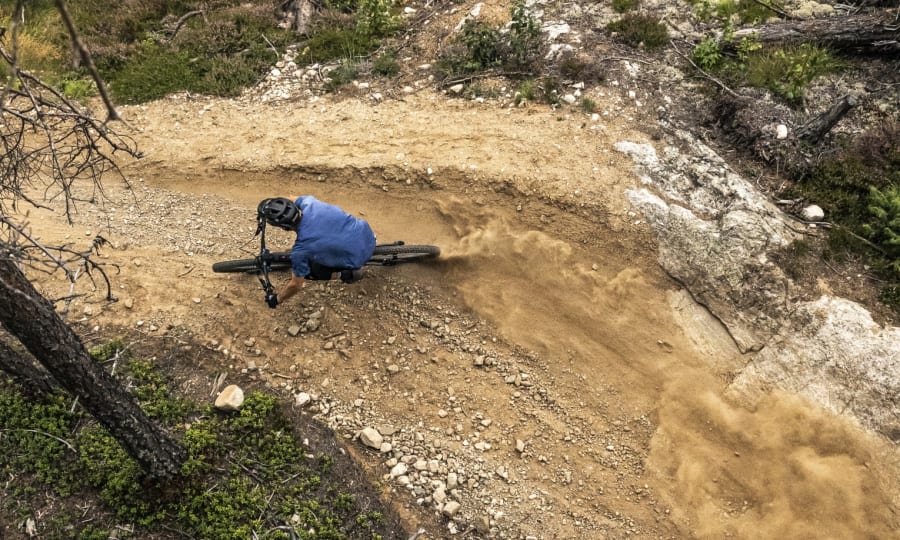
{"type": "Point", "coordinates": [272, 300]}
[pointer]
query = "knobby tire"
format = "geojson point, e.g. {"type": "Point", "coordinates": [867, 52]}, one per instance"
{"type": "Point", "coordinates": [282, 262]}
{"type": "Point", "coordinates": [384, 255]}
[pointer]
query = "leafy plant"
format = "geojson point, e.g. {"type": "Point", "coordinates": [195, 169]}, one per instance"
{"type": "Point", "coordinates": [246, 470]}
{"type": "Point", "coordinates": [481, 46]}
{"type": "Point", "coordinates": [884, 226]}
{"type": "Point", "coordinates": [745, 11]}
{"type": "Point", "coordinates": [707, 54]}
{"type": "Point", "coordinates": [386, 65]}
{"type": "Point", "coordinates": [621, 6]}
{"type": "Point", "coordinates": [588, 105]}
{"type": "Point", "coordinates": [786, 72]}
{"type": "Point", "coordinates": [76, 88]}
{"type": "Point", "coordinates": [374, 18]}
{"type": "Point", "coordinates": [336, 43]}
{"type": "Point", "coordinates": [524, 35]}
{"type": "Point", "coordinates": [640, 30]}
{"type": "Point", "coordinates": [343, 74]}
{"type": "Point", "coordinates": [153, 73]}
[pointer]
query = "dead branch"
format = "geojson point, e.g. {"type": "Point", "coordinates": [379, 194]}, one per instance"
{"type": "Point", "coordinates": [721, 85]}
{"type": "Point", "coordinates": [814, 130]}
{"type": "Point", "coordinates": [111, 113]}
{"type": "Point", "coordinates": [870, 33]}
{"type": "Point", "coordinates": [181, 20]}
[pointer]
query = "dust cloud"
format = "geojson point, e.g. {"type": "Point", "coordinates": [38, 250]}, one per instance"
{"type": "Point", "coordinates": [782, 469]}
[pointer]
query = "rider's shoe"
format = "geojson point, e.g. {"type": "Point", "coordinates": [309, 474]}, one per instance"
{"type": "Point", "coordinates": [351, 276]}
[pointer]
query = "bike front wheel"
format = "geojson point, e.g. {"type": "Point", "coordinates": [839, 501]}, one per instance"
{"type": "Point", "coordinates": [279, 261]}
{"type": "Point", "coordinates": [389, 254]}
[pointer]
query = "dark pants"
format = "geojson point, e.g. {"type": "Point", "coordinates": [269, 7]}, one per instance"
{"type": "Point", "coordinates": [318, 272]}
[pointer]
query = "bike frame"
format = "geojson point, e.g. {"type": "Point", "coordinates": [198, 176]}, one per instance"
{"type": "Point", "coordinates": [264, 259]}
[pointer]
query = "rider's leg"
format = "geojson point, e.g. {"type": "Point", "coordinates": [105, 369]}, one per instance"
{"type": "Point", "coordinates": [352, 275]}
{"type": "Point", "coordinates": [319, 272]}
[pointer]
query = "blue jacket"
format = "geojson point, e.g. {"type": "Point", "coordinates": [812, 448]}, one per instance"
{"type": "Point", "coordinates": [330, 237]}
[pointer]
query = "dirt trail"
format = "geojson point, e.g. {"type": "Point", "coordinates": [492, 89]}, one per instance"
{"type": "Point", "coordinates": [604, 369]}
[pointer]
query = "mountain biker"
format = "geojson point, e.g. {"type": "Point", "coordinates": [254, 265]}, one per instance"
{"type": "Point", "coordinates": [329, 241]}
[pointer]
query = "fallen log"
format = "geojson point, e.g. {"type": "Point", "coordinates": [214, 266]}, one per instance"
{"type": "Point", "coordinates": [818, 127]}
{"type": "Point", "coordinates": [871, 33]}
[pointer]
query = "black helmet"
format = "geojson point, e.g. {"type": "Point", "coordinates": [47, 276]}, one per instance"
{"type": "Point", "coordinates": [280, 212]}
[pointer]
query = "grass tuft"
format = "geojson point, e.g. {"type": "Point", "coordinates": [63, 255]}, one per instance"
{"type": "Point", "coordinates": [640, 30]}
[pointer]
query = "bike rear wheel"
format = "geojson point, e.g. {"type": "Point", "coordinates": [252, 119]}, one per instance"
{"type": "Point", "coordinates": [388, 254]}
{"type": "Point", "coordinates": [279, 261]}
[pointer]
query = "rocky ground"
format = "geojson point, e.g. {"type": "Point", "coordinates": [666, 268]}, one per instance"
{"type": "Point", "coordinates": [547, 377]}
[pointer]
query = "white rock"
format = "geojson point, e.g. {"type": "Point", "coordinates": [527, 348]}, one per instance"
{"type": "Point", "coordinates": [302, 399]}
{"type": "Point", "coordinates": [398, 470]}
{"type": "Point", "coordinates": [230, 399]}
{"type": "Point", "coordinates": [554, 30]}
{"type": "Point", "coordinates": [813, 212]}
{"type": "Point", "coordinates": [781, 131]}
{"type": "Point", "coordinates": [456, 88]}
{"type": "Point", "coordinates": [371, 438]}
{"type": "Point", "coordinates": [451, 508]}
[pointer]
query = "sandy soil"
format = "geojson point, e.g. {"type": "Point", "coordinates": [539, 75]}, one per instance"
{"type": "Point", "coordinates": [547, 316]}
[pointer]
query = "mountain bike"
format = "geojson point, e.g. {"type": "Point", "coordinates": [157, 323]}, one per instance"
{"type": "Point", "coordinates": [268, 261]}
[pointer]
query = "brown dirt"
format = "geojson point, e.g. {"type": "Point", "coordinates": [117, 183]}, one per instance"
{"type": "Point", "coordinates": [592, 356]}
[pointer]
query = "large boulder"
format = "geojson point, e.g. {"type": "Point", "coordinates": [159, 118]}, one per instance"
{"type": "Point", "coordinates": [716, 235]}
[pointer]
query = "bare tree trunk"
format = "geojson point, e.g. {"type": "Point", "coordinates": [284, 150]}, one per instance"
{"type": "Point", "coordinates": [818, 127]}
{"type": "Point", "coordinates": [868, 33]}
{"type": "Point", "coordinates": [34, 381]}
{"type": "Point", "coordinates": [299, 14]}
{"type": "Point", "coordinates": [33, 321]}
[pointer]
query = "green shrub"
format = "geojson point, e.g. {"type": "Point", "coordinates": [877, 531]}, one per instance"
{"type": "Point", "coordinates": [34, 436]}
{"type": "Point", "coordinates": [246, 471]}
{"type": "Point", "coordinates": [588, 105]}
{"type": "Point", "coordinates": [153, 73]}
{"type": "Point", "coordinates": [526, 91]}
{"type": "Point", "coordinates": [621, 6]}
{"type": "Point", "coordinates": [883, 227]}
{"type": "Point", "coordinates": [890, 295]}
{"type": "Point", "coordinates": [105, 466]}
{"type": "Point", "coordinates": [335, 43]}
{"type": "Point", "coordinates": [386, 65]}
{"type": "Point", "coordinates": [746, 11]}
{"type": "Point", "coordinates": [786, 72]}
{"type": "Point", "coordinates": [77, 88]}
{"type": "Point", "coordinates": [227, 76]}
{"type": "Point", "coordinates": [707, 54]}
{"type": "Point", "coordinates": [481, 46]}
{"type": "Point", "coordinates": [110, 349]}
{"type": "Point", "coordinates": [640, 30]}
{"type": "Point", "coordinates": [524, 36]}
{"type": "Point", "coordinates": [374, 18]}
{"type": "Point", "coordinates": [153, 394]}
{"type": "Point", "coordinates": [842, 185]}
{"type": "Point", "coordinates": [343, 6]}
{"type": "Point", "coordinates": [343, 74]}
